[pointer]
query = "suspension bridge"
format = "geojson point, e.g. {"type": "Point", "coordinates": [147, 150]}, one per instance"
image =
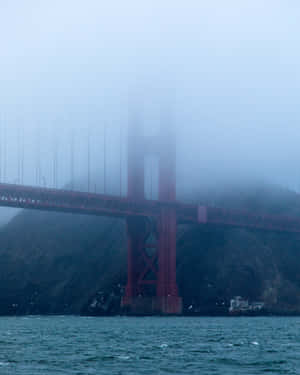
{"type": "Point", "coordinates": [151, 223]}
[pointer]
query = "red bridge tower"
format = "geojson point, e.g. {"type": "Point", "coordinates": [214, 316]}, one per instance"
{"type": "Point", "coordinates": [151, 286]}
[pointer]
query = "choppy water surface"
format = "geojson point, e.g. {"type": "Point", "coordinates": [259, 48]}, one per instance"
{"type": "Point", "coordinates": [75, 345]}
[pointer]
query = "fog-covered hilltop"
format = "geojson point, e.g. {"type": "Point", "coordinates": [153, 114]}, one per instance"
{"type": "Point", "coordinates": [61, 263]}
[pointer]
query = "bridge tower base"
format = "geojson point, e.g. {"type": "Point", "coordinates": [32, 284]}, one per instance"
{"type": "Point", "coordinates": [151, 285]}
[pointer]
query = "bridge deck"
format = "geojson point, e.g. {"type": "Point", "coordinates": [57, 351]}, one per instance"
{"type": "Point", "coordinates": [29, 197]}
{"type": "Point", "coordinates": [242, 218]}
{"type": "Point", "coordinates": [45, 199]}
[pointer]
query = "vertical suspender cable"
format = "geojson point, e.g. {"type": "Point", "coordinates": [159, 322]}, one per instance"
{"type": "Point", "coordinates": [120, 161]}
{"type": "Point", "coordinates": [38, 157]}
{"type": "Point", "coordinates": [72, 159]}
{"type": "Point", "coordinates": [54, 160]}
{"type": "Point", "coordinates": [89, 159]}
{"type": "Point", "coordinates": [1, 147]}
{"type": "Point", "coordinates": [104, 160]}
{"type": "Point", "coordinates": [151, 178]}
{"type": "Point", "coordinates": [19, 153]}
{"type": "Point", "coordinates": [22, 154]}
{"type": "Point", "coordinates": [4, 150]}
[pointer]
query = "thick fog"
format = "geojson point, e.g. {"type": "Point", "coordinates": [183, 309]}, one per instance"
{"type": "Point", "coordinates": [225, 74]}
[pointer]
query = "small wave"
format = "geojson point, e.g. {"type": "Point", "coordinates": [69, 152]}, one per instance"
{"type": "Point", "coordinates": [123, 357]}
{"type": "Point", "coordinates": [103, 358]}
{"type": "Point", "coordinates": [254, 343]}
{"type": "Point", "coordinates": [4, 364]}
{"type": "Point", "coordinates": [239, 343]}
{"type": "Point", "coordinates": [163, 346]}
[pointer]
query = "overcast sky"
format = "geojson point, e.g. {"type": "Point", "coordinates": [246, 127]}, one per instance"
{"type": "Point", "coordinates": [227, 71]}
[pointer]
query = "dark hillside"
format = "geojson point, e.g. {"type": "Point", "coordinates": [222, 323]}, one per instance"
{"type": "Point", "coordinates": [58, 263]}
{"type": "Point", "coordinates": [53, 263]}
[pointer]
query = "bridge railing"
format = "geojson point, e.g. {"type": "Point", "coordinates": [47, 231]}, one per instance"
{"type": "Point", "coordinates": [243, 218]}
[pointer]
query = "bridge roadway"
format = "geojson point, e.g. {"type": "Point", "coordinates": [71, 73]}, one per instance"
{"type": "Point", "coordinates": [37, 198]}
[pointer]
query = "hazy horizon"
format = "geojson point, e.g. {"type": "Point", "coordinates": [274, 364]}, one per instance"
{"type": "Point", "coordinates": [227, 74]}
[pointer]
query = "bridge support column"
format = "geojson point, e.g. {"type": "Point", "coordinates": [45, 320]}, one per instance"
{"type": "Point", "coordinates": [151, 286]}
{"type": "Point", "coordinates": [139, 298]}
{"type": "Point", "coordinates": [168, 299]}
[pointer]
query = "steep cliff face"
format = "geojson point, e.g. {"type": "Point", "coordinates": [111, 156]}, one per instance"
{"type": "Point", "coordinates": [59, 263]}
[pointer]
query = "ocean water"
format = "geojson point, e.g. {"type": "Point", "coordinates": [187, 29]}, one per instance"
{"type": "Point", "coordinates": [152, 345]}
